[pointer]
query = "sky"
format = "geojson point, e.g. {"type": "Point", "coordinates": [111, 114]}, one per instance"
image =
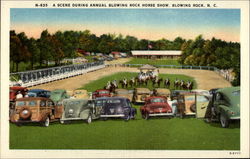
{"type": "Point", "coordinates": [152, 24]}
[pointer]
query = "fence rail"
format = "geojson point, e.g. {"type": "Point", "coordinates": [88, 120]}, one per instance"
{"type": "Point", "coordinates": [41, 76]}
{"type": "Point", "coordinates": [226, 74]}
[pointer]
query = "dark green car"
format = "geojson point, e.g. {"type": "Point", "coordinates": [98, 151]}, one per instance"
{"type": "Point", "coordinates": [58, 95]}
{"type": "Point", "coordinates": [226, 105]}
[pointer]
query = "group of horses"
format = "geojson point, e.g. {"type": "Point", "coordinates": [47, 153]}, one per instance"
{"type": "Point", "coordinates": [144, 79]}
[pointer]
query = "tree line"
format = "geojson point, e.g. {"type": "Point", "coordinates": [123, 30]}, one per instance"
{"type": "Point", "coordinates": [55, 47]}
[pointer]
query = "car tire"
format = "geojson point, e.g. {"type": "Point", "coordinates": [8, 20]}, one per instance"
{"type": "Point", "coordinates": [61, 121]}
{"type": "Point", "coordinates": [127, 117]}
{"type": "Point", "coordinates": [193, 108]}
{"type": "Point", "coordinates": [146, 116]}
{"type": "Point", "coordinates": [46, 122]}
{"type": "Point", "coordinates": [89, 119]}
{"type": "Point", "coordinates": [224, 121]}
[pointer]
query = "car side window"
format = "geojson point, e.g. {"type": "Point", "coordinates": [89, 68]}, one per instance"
{"type": "Point", "coordinates": [129, 104]}
{"type": "Point", "coordinates": [42, 103]}
{"type": "Point", "coordinates": [218, 97]}
{"type": "Point", "coordinates": [202, 99]}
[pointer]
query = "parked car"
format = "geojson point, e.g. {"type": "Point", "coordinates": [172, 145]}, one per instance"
{"type": "Point", "coordinates": [80, 94]}
{"type": "Point", "coordinates": [13, 91]}
{"type": "Point", "coordinates": [140, 94]}
{"type": "Point", "coordinates": [157, 106]}
{"type": "Point", "coordinates": [79, 109]}
{"type": "Point", "coordinates": [203, 92]}
{"type": "Point", "coordinates": [192, 104]}
{"type": "Point", "coordinates": [161, 92]}
{"type": "Point", "coordinates": [39, 93]}
{"type": "Point", "coordinates": [101, 93]}
{"type": "Point", "coordinates": [58, 95]}
{"type": "Point", "coordinates": [226, 105]}
{"type": "Point", "coordinates": [124, 93]}
{"type": "Point", "coordinates": [175, 93]}
{"type": "Point", "coordinates": [212, 91]}
{"type": "Point", "coordinates": [118, 107]}
{"type": "Point", "coordinates": [36, 110]}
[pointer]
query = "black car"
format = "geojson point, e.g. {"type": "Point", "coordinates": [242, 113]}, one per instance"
{"type": "Point", "coordinates": [39, 93]}
{"type": "Point", "coordinates": [117, 107]}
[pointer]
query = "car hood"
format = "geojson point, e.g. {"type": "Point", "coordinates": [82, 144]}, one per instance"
{"type": "Point", "coordinates": [159, 105]}
{"type": "Point", "coordinates": [73, 108]}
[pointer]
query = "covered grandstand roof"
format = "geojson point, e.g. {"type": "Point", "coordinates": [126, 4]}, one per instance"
{"type": "Point", "coordinates": [157, 52]}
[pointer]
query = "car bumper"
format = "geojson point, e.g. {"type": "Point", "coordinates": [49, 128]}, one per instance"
{"type": "Point", "coordinates": [162, 114]}
{"type": "Point", "coordinates": [64, 119]}
{"type": "Point", "coordinates": [234, 118]}
{"type": "Point", "coordinates": [113, 116]}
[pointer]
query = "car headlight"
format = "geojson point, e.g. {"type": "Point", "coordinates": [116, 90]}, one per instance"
{"type": "Point", "coordinates": [25, 112]}
{"type": "Point", "coordinates": [71, 111]}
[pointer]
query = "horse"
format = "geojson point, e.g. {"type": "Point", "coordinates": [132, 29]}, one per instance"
{"type": "Point", "coordinates": [176, 83]}
{"type": "Point", "coordinates": [182, 84]}
{"type": "Point", "coordinates": [115, 83]}
{"type": "Point", "coordinates": [189, 85]}
{"type": "Point", "coordinates": [132, 82]}
{"type": "Point", "coordinates": [158, 81]}
{"type": "Point", "coordinates": [108, 85]}
{"type": "Point", "coordinates": [167, 82]}
{"type": "Point", "coordinates": [124, 83]}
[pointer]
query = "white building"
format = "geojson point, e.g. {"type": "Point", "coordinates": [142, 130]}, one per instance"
{"type": "Point", "coordinates": [156, 53]}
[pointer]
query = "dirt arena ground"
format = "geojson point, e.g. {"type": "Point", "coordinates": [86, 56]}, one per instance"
{"type": "Point", "coordinates": [205, 79]}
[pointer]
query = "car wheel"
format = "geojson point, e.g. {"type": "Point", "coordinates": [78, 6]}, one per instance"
{"type": "Point", "coordinates": [224, 121]}
{"type": "Point", "coordinates": [61, 121]}
{"type": "Point", "coordinates": [193, 108]}
{"type": "Point", "coordinates": [146, 116]}
{"type": "Point", "coordinates": [46, 122]}
{"type": "Point", "coordinates": [127, 118]}
{"type": "Point", "coordinates": [89, 119]}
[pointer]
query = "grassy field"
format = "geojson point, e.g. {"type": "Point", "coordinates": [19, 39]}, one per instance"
{"type": "Point", "coordinates": [153, 62]}
{"type": "Point", "coordinates": [100, 83]}
{"type": "Point", "coordinates": [138, 134]}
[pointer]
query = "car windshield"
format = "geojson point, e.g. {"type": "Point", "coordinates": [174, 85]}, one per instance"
{"type": "Point", "coordinates": [56, 93]}
{"type": "Point", "coordinates": [100, 102]}
{"type": "Point", "coordinates": [79, 92]}
{"type": "Point", "coordinates": [236, 93]}
{"type": "Point", "coordinates": [122, 92]}
{"type": "Point", "coordinates": [32, 94]}
{"type": "Point", "coordinates": [32, 103]}
{"type": "Point", "coordinates": [114, 102]}
{"type": "Point", "coordinates": [20, 103]}
{"type": "Point", "coordinates": [157, 100]}
{"type": "Point", "coordinates": [104, 92]}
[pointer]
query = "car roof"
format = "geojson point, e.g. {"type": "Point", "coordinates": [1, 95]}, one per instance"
{"type": "Point", "coordinates": [38, 90]}
{"type": "Point", "coordinates": [155, 97]}
{"type": "Point", "coordinates": [116, 97]}
{"type": "Point", "coordinates": [18, 88]}
{"type": "Point", "coordinates": [32, 98]}
{"type": "Point", "coordinates": [229, 93]}
{"type": "Point", "coordinates": [59, 90]}
{"type": "Point", "coordinates": [144, 90]}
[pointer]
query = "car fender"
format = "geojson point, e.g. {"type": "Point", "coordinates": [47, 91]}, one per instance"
{"type": "Point", "coordinates": [85, 113]}
{"type": "Point", "coordinates": [223, 110]}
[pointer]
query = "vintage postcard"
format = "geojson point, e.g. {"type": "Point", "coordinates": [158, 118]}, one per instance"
{"type": "Point", "coordinates": [124, 79]}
